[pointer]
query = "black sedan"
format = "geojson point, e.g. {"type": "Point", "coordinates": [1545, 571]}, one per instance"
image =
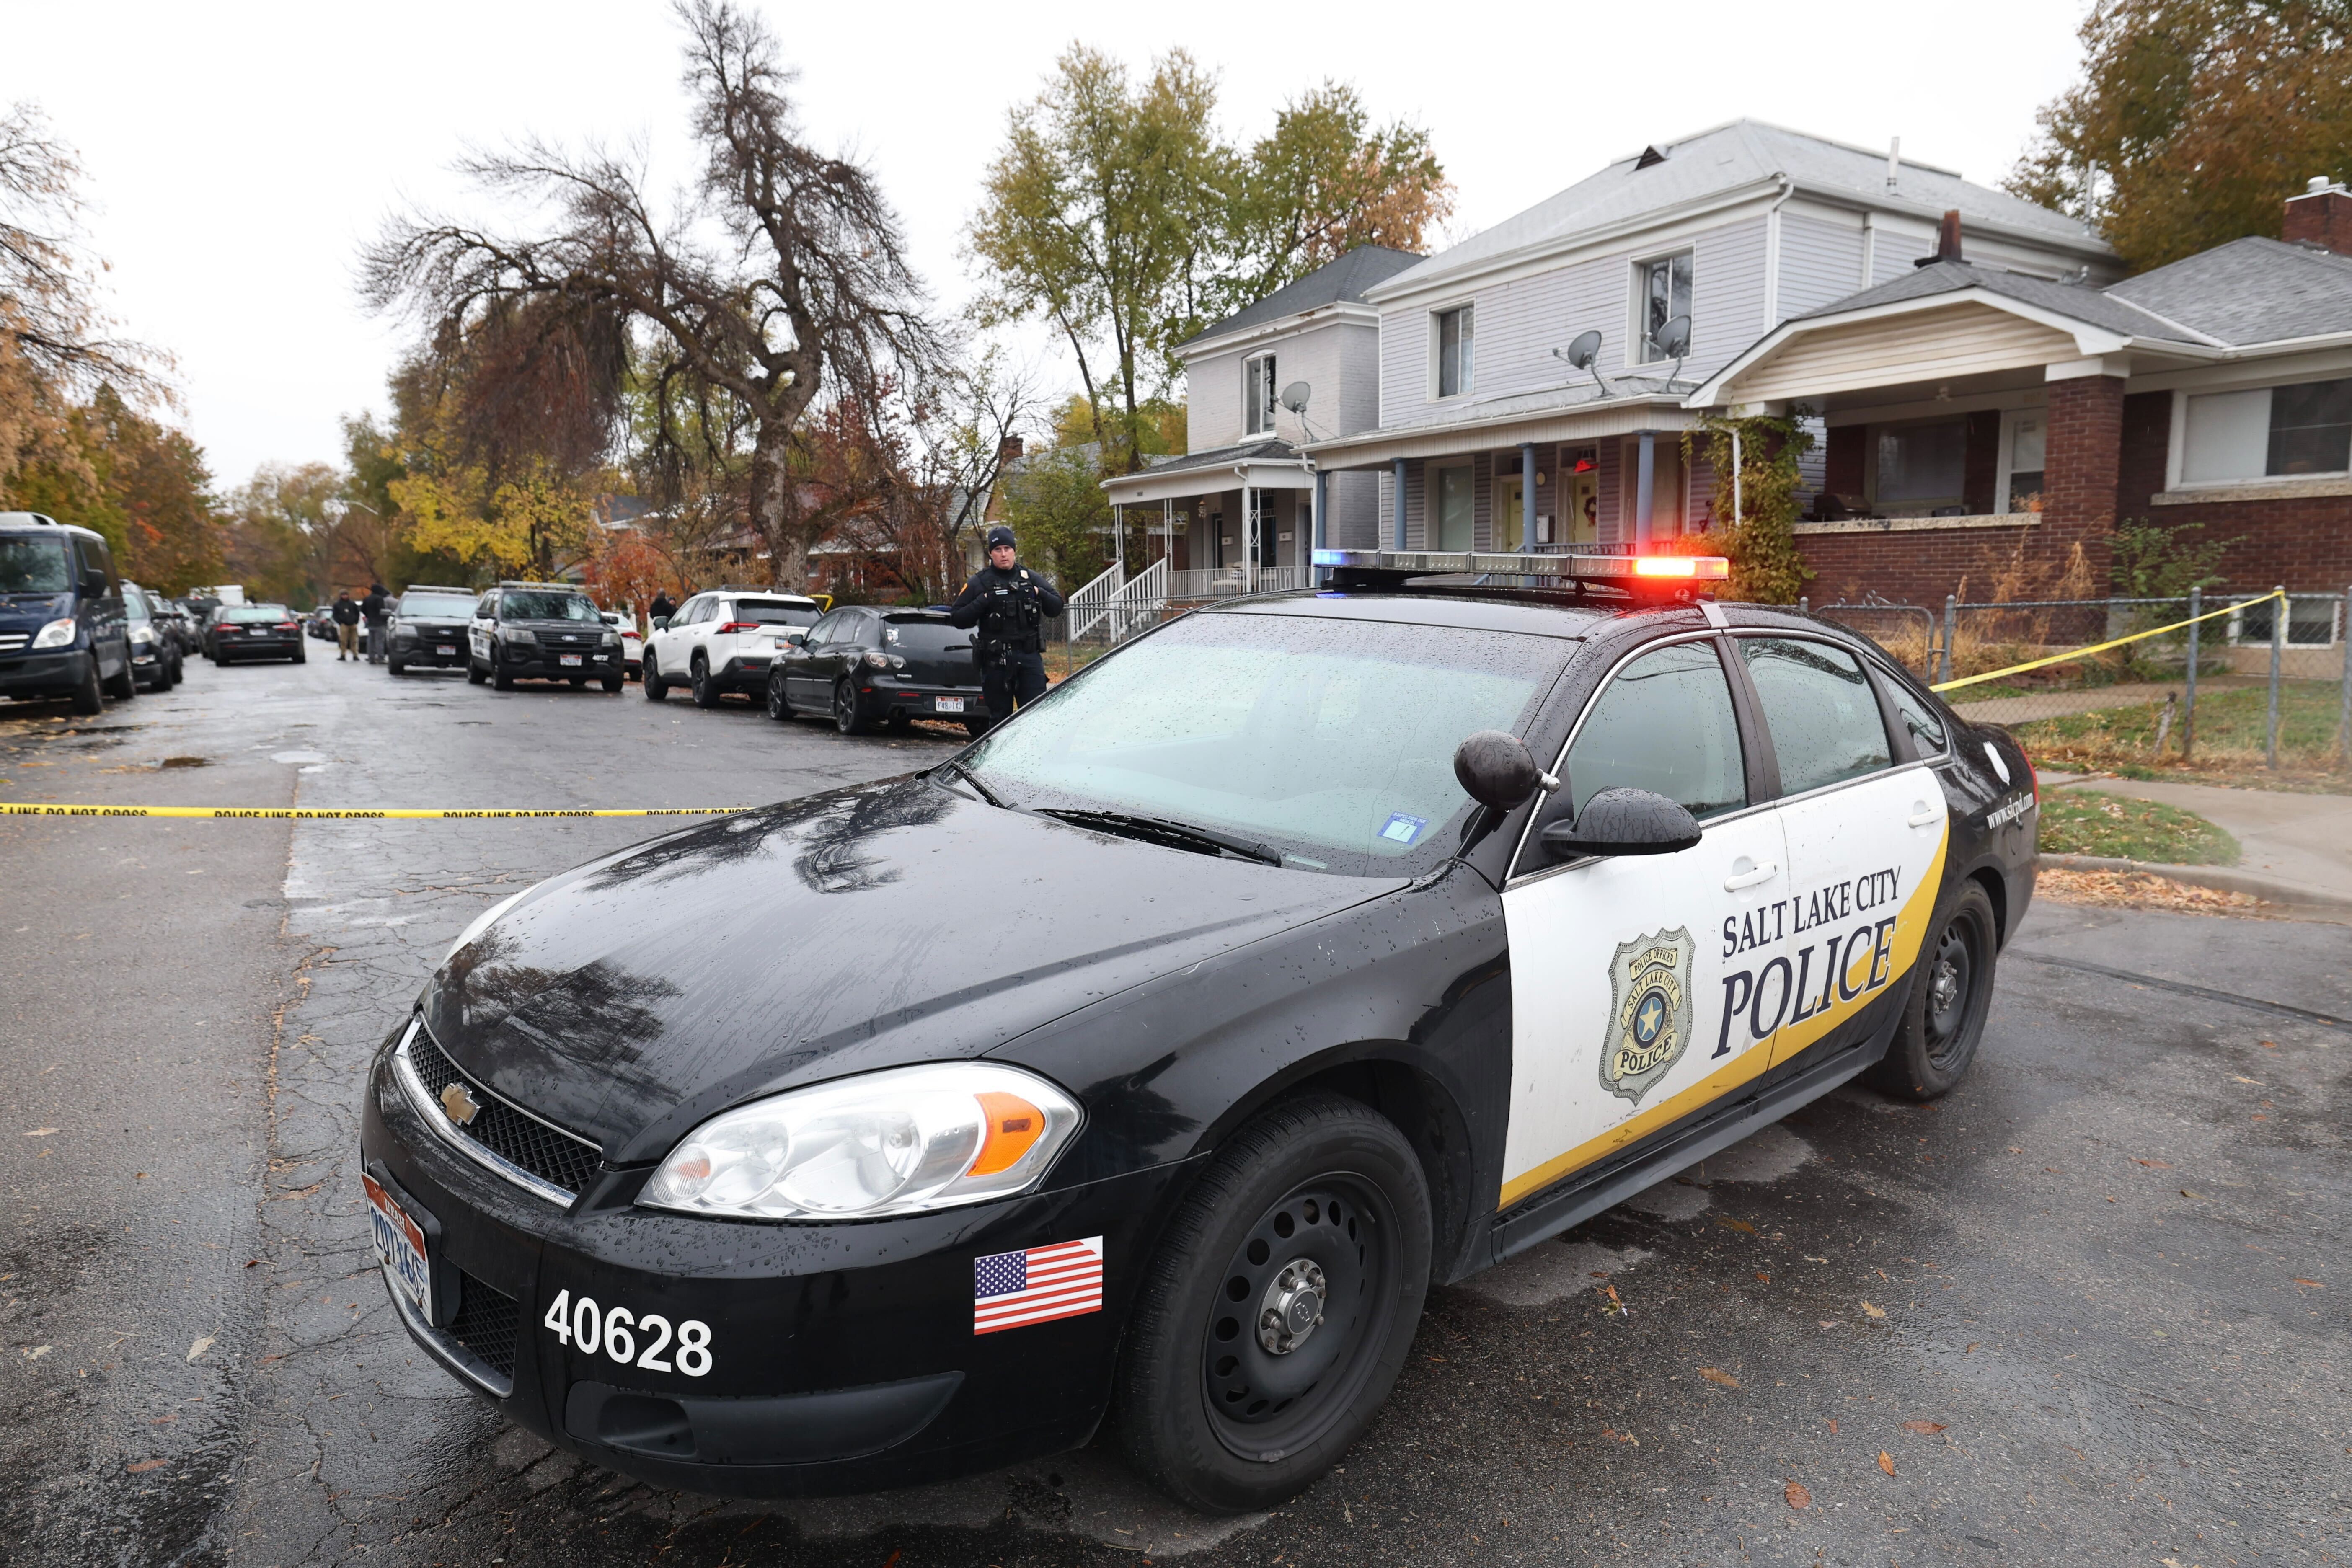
{"type": "Point", "coordinates": [429, 629]}
{"type": "Point", "coordinates": [1155, 1055]}
{"type": "Point", "coordinates": [253, 631]}
{"type": "Point", "coordinates": [862, 666]}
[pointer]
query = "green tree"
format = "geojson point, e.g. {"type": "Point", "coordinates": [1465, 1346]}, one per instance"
{"type": "Point", "coordinates": [281, 528]}
{"type": "Point", "coordinates": [2194, 121]}
{"type": "Point", "coordinates": [1756, 531]}
{"type": "Point", "coordinates": [1053, 502]}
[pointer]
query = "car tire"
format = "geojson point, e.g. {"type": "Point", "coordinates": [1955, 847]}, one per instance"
{"type": "Point", "coordinates": [780, 706]}
{"type": "Point", "coordinates": [475, 674]}
{"type": "Point", "coordinates": [397, 665]}
{"type": "Point", "coordinates": [88, 696]}
{"type": "Point", "coordinates": [613, 684]}
{"type": "Point", "coordinates": [1209, 1406]}
{"type": "Point", "coordinates": [656, 687]}
{"type": "Point", "coordinates": [301, 655]}
{"type": "Point", "coordinates": [845, 715]}
{"type": "Point", "coordinates": [700, 682]}
{"type": "Point", "coordinates": [501, 680]}
{"type": "Point", "coordinates": [124, 686]}
{"type": "Point", "coordinates": [1951, 992]}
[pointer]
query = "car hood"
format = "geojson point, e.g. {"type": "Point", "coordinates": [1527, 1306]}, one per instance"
{"type": "Point", "coordinates": [31, 612]}
{"type": "Point", "coordinates": [870, 927]}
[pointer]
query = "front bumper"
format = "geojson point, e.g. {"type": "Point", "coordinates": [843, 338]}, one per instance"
{"type": "Point", "coordinates": [843, 1355]}
{"type": "Point", "coordinates": [543, 663]}
{"type": "Point", "coordinates": [43, 674]}
{"type": "Point", "coordinates": [428, 648]}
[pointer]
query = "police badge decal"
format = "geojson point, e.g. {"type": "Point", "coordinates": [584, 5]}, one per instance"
{"type": "Point", "coordinates": [1649, 1011]}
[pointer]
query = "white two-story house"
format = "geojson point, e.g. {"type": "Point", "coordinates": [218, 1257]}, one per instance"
{"type": "Point", "coordinates": [1530, 382]}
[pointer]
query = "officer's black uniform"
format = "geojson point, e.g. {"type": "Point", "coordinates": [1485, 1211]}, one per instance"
{"type": "Point", "coordinates": [1010, 609]}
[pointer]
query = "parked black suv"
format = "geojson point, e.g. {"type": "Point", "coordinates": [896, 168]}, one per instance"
{"type": "Point", "coordinates": [61, 626]}
{"type": "Point", "coordinates": [428, 627]}
{"type": "Point", "coordinates": [541, 631]}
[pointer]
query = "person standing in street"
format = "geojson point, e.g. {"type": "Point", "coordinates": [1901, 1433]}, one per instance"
{"type": "Point", "coordinates": [1010, 605]}
{"type": "Point", "coordinates": [347, 626]}
{"type": "Point", "coordinates": [376, 609]}
{"type": "Point", "coordinates": [661, 608]}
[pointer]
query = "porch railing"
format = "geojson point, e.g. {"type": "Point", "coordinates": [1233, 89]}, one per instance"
{"type": "Point", "coordinates": [1228, 582]}
{"type": "Point", "coordinates": [1090, 603]}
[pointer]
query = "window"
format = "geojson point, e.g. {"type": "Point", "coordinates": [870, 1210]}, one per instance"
{"type": "Point", "coordinates": [1258, 395]}
{"type": "Point", "coordinates": [2310, 622]}
{"type": "Point", "coordinates": [539, 605]}
{"type": "Point", "coordinates": [1823, 713]}
{"type": "Point", "coordinates": [1918, 716]}
{"type": "Point", "coordinates": [2029, 440]}
{"type": "Point", "coordinates": [1920, 464]}
{"type": "Point", "coordinates": [1665, 293]}
{"type": "Point", "coordinates": [34, 563]}
{"type": "Point", "coordinates": [2267, 432]}
{"type": "Point", "coordinates": [1664, 724]}
{"type": "Point", "coordinates": [1453, 343]}
{"type": "Point", "coordinates": [825, 630]}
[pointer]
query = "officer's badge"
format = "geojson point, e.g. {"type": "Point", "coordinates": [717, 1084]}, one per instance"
{"type": "Point", "coordinates": [1649, 1011]}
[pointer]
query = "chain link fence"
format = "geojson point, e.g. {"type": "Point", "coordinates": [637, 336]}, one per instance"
{"type": "Point", "coordinates": [2197, 684]}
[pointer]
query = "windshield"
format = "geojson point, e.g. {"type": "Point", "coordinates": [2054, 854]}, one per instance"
{"type": "Point", "coordinates": [776, 614]}
{"type": "Point", "coordinates": [548, 607]}
{"type": "Point", "coordinates": [442, 606]}
{"type": "Point", "coordinates": [33, 564]}
{"type": "Point", "coordinates": [924, 634]}
{"type": "Point", "coordinates": [254, 613]}
{"type": "Point", "coordinates": [1329, 741]}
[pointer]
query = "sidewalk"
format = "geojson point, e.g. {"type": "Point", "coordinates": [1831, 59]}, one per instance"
{"type": "Point", "coordinates": [2301, 842]}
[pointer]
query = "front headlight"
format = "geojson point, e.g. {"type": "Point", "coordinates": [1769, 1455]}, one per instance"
{"type": "Point", "coordinates": [142, 635]}
{"type": "Point", "coordinates": [879, 1144]}
{"type": "Point", "coordinates": [57, 634]}
{"type": "Point", "coordinates": [611, 639]}
{"type": "Point", "coordinates": [516, 634]}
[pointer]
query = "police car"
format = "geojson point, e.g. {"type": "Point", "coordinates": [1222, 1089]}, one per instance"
{"type": "Point", "coordinates": [1154, 1056]}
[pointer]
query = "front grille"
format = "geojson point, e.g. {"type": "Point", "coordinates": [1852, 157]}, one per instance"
{"type": "Point", "coordinates": [15, 640]}
{"type": "Point", "coordinates": [488, 1323]}
{"type": "Point", "coordinates": [555, 1157]}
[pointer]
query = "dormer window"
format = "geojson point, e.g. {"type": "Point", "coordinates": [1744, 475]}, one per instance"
{"type": "Point", "coordinates": [1454, 331]}
{"type": "Point", "coordinates": [1663, 291]}
{"type": "Point", "coordinates": [1258, 394]}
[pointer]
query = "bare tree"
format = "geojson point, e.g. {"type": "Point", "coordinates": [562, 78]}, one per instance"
{"type": "Point", "coordinates": [779, 279]}
{"type": "Point", "coordinates": [942, 457]}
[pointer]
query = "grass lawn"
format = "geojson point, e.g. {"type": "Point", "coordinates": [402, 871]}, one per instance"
{"type": "Point", "coordinates": [2082, 823]}
{"type": "Point", "coordinates": [2230, 725]}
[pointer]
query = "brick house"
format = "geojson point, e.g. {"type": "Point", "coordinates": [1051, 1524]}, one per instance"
{"type": "Point", "coordinates": [1976, 415]}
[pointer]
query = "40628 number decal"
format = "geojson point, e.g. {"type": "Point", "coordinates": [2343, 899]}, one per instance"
{"type": "Point", "coordinates": [612, 1333]}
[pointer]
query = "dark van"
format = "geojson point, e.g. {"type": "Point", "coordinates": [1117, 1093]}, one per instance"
{"type": "Point", "coordinates": [61, 621]}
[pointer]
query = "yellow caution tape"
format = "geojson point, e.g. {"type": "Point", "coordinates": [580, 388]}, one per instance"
{"type": "Point", "coordinates": [2073, 654]}
{"type": "Point", "coordinates": [317, 813]}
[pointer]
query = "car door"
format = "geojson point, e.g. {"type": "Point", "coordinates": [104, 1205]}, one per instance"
{"type": "Point", "coordinates": [670, 644]}
{"type": "Point", "coordinates": [477, 630]}
{"type": "Point", "coordinates": [1627, 973]}
{"type": "Point", "coordinates": [1866, 831]}
{"type": "Point", "coordinates": [804, 680]}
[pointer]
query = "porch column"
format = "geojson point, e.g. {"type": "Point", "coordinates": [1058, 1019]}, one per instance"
{"type": "Point", "coordinates": [1645, 471]}
{"type": "Point", "coordinates": [1249, 538]}
{"type": "Point", "coordinates": [1526, 495]}
{"type": "Point", "coordinates": [1118, 539]}
{"type": "Point", "coordinates": [2083, 465]}
{"type": "Point", "coordinates": [1168, 531]}
{"type": "Point", "coordinates": [1396, 503]}
{"type": "Point", "coordinates": [1320, 538]}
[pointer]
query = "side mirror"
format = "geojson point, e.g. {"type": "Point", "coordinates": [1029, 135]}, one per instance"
{"type": "Point", "coordinates": [1495, 769]}
{"type": "Point", "coordinates": [1623, 822]}
{"type": "Point", "coordinates": [94, 583]}
{"type": "Point", "coordinates": [661, 623]}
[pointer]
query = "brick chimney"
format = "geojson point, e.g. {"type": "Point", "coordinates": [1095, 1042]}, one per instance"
{"type": "Point", "coordinates": [2322, 215]}
{"type": "Point", "coordinates": [1947, 241]}
{"type": "Point", "coordinates": [1008, 449]}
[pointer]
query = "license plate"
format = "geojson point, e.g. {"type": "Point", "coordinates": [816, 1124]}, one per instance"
{"type": "Point", "coordinates": [445, 650]}
{"type": "Point", "coordinates": [947, 704]}
{"type": "Point", "coordinates": [399, 1247]}
{"type": "Point", "coordinates": [567, 659]}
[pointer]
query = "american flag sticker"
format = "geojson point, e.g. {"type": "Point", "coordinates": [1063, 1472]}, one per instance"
{"type": "Point", "coordinates": [1010, 1289]}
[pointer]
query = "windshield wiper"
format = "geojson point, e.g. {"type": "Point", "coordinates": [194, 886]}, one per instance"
{"type": "Point", "coordinates": [973, 779]}
{"type": "Point", "coordinates": [1173, 834]}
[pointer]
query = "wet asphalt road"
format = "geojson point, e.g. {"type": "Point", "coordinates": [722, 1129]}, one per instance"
{"type": "Point", "coordinates": [2090, 1309]}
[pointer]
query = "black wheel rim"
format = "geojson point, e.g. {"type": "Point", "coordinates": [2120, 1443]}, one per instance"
{"type": "Point", "coordinates": [1300, 1316]}
{"type": "Point", "coordinates": [844, 709]}
{"type": "Point", "coordinates": [775, 701]}
{"type": "Point", "coordinates": [1952, 985]}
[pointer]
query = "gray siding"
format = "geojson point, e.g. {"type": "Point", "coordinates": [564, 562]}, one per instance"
{"type": "Point", "coordinates": [1821, 261]}
{"type": "Point", "coordinates": [1339, 359]}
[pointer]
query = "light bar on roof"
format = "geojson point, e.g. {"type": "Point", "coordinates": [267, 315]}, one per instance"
{"type": "Point", "coordinates": [1577, 567]}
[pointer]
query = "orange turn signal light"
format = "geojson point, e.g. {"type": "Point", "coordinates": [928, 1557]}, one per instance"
{"type": "Point", "coordinates": [1010, 1129]}
{"type": "Point", "coordinates": [1707, 566]}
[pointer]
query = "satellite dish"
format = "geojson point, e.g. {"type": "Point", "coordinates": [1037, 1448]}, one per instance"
{"type": "Point", "coordinates": [1294, 396]}
{"type": "Point", "coordinates": [1584, 351]}
{"type": "Point", "coordinates": [1672, 340]}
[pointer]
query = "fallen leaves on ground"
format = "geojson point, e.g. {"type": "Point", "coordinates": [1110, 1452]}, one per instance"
{"type": "Point", "coordinates": [2153, 1164]}
{"type": "Point", "coordinates": [1725, 1378]}
{"type": "Point", "coordinates": [200, 1347]}
{"type": "Point", "coordinates": [144, 1466]}
{"type": "Point", "coordinates": [1617, 1436]}
{"type": "Point", "coordinates": [2313, 1283]}
{"type": "Point", "coordinates": [1926, 1429]}
{"type": "Point", "coordinates": [1797, 1495]}
{"type": "Point", "coordinates": [2139, 890]}
{"type": "Point", "coordinates": [1873, 1311]}
{"type": "Point", "coordinates": [1886, 1461]}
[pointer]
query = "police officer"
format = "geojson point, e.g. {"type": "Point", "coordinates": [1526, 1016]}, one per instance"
{"type": "Point", "coordinates": [1009, 603]}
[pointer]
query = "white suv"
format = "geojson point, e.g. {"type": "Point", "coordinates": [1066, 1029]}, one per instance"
{"type": "Point", "coordinates": [723, 641]}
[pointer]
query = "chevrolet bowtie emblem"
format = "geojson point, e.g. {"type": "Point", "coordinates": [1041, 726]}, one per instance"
{"type": "Point", "coordinates": [460, 1104]}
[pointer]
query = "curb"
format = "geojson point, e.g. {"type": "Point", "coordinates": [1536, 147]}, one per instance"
{"type": "Point", "coordinates": [2220, 878]}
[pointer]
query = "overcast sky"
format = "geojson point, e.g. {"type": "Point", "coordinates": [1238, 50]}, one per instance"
{"type": "Point", "coordinates": [239, 155]}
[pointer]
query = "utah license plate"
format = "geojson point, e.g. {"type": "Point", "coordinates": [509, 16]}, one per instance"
{"type": "Point", "coordinates": [399, 1247]}
{"type": "Point", "coordinates": [567, 659]}
{"type": "Point", "coordinates": [445, 650]}
{"type": "Point", "coordinates": [947, 704]}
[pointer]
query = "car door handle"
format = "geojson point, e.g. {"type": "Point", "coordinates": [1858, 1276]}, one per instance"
{"type": "Point", "coordinates": [1751, 874]}
{"type": "Point", "coordinates": [1923, 814]}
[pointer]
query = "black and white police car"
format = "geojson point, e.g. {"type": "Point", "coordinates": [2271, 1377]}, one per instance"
{"type": "Point", "coordinates": [1154, 1055]}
